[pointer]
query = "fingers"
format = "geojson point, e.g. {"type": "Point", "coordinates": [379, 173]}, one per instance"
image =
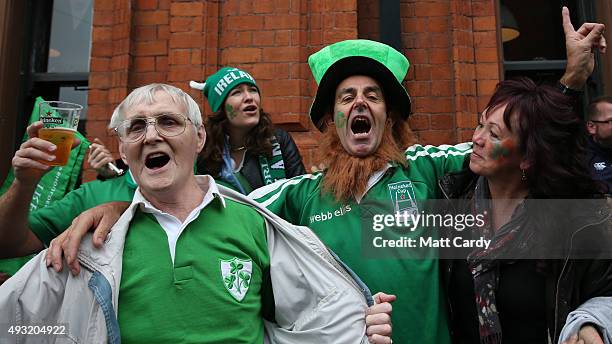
{"type": "Point", "coordinates": [101, 232]}
{"type": "Point", "coordinates": [381, 297]}
{"type": "Point", "coordinates": [568, 28]}
{"type": "Point", "coordinates": [33, 129]}
{"type": "Point", "coordinates": [379, 330]}
{"type": "Point", "coordinates": [54, 253]}
{"type": "Point", "coordinates": [595, 36]}
{"type": "Point", "coordinates": [378, 339]}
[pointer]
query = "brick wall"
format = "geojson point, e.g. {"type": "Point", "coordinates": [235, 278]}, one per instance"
{"type": "Point", "coordinates": [451, 44]}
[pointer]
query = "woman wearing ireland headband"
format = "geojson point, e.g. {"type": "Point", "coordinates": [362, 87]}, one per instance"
{"type": "Point", "coordinates": [243, 150]}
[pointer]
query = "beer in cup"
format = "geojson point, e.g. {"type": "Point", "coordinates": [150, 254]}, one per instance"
{"type": "Point", "coordinates": [60, 121]}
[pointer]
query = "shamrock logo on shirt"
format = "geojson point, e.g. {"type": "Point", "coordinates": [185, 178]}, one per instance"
{"type": "Point", "coordinates": [236, 274]}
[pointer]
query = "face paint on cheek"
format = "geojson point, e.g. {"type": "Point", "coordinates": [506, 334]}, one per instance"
{"type": "Point", "coordinates": [229, 110]}
{"type": "Point", "coordinates": [340, 119]}
{"type": "Point", "coordinates": [502, 149]}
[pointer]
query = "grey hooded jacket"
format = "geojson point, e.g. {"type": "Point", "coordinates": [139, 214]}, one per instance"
{"type": "Point", "coordinates": [320, 302]}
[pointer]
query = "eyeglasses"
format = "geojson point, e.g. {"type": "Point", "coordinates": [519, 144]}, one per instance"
{"type": "Point", "coordinates": [166, 124]}
{"type": "Point", "coordinates": [608, 122]}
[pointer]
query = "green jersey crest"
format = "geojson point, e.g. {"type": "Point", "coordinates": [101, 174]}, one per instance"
{"type": "Point", "coordinates": [236, 275]}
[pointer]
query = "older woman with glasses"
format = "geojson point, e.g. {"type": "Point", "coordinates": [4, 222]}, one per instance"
{"type": "Point", "coordinates": [243, 150]}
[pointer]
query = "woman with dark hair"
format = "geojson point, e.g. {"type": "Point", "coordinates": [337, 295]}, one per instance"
{"type": "Point", "coordinates": [529, 144]}
{"type": "Point", "coordinates": [243, 150]}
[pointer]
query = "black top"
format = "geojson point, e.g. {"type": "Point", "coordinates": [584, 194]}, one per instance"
{"type": "Point", "coordinates": [519, 299]}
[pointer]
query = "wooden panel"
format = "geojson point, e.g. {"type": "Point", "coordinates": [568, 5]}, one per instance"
{"type": "Point", "coordinates": [603, 8]}
{"type": "Point", "coordinates": [11, 44]}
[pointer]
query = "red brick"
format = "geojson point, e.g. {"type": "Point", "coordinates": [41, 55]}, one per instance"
{"type": "Point", "coordinates": [487, 71]}
{"type": "Point", "coordinates": [245, 7]}
{"type": "Point", "coordinates": [281, 87]}
{"type": "Point", "coordinates": [145, 33]}
{"type": "Point", "coordinates": [186, 9]}
{"type": "Point", "coordinates": [196, 57]}
{"type": "Point", "coordinates": [433, 105]}
{"type": "Point", "coordinates": [417, 56]}
{"type": "Point", "coordinates": [279, 22]}
{"type": "Point", "coordinates": [161, 63]}
{"type": "Point", "coordinates": [100, 80]}
{"type": "Point", "coordinates": [432, 9]}
{"type": "Point", "coordinates": [139, 79]}
{"type": "Point", "coordinates": [146, 4]}
{"type": "Point", "coordinates": [99, 64]}
{"type": "Point", "coordinates": [270, 71]}
{"type": "Point", "coordinates": [438, 24]}
{"type": "Point", "coordinates": [339, 35]}
{"type": "Point", "coordinates": [341, 5]}
{"type": "Point", "coordinates": [442, 88]}
{"type": "Point", "coordinates": [442, 121]}
{"type": "Point", "coordinates": [182, 73]}
{"type": "Point", "coordinates": [181, 24]}
{"type": "Point", "coordinates": [437, 137]}
{"type": "Point", "coordinates": [104, 48]}
{"type": "Point", "coordinates": [164, 4]}
{"type": "Point", "coordinates": [263, 38]}
{"type": "Point", "coordinates": [345, 20]}
{"type": "Point", "coordinates": [186, 40]}
{"type": "Point", "coordinates": [282, 37]}
{"type": "Point", "coordinates": [419, 88]}
{"type": "Point", "coordinates": [439, 55]}
{"type": "Point", "coordinates": [103, 18]}
{"type": "Point", "coordinates": [104, 5]}
{"type": "Point", "coordinates": [419, 122]}
{"type": "Point", "coordinates": [243, 23]}
{"type": "Point", "coordinates": [483, 8]}
{"type": "Point", "coordinates": [410, 25]}
{"type": "Point", "coordinates": [442, 72]}
{"type": "Point", "coordinates": [143, 64]}
{"type": "Point", "coordinates": [467, 120]}
{"type": "Point", "coordinates": [150, 18]}
{"type": "Point", "coordinates": [150, 48]}
{"type": "Point", "coordinates": [120, 62]}
{"type": "Point", "coordinates": [282, 54]}
{"type": "Point", "coordinates": [121, 31]}
{"type": "Point", "coordinates": [486, 87]}
{"type": "Point", "coordinates": [179, 56]}
{"type": "Point", "coordinates": [485, 39]}
{"type": "Point", "coordinates": [422, 72]}
{"type": "Point", "coordinates": [484, 23]}
{"type": "Point", "coordinates": [101, 33]}
{"type": "Point", "coordinates": [263, 6]}
{"type": "Point", "coordinates": [486, 55]}
{"type": "Point", "coordinates": [240, 55]}
{"type": "Point", "coordinates": [163, 32]}
{"type": "Point", "coordinates": [97, 96]}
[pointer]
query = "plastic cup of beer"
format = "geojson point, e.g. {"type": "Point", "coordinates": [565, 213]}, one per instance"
{"type": "Point", "coordinates": [60, 121]}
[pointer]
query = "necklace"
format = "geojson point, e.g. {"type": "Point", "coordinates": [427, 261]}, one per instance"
{"type": "Point", "coordinates": [238, 149]}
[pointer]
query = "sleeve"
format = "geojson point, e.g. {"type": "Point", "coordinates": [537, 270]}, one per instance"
{"type": "Point", "coordinates": [432, 162]}
{"type": "Point", "coordinates": [287, 198]}
{"type": "Point", "coordinates": [291, 154]}
{"type": "Point", "coordinates": [49, 222]}
{"type": "Point", "coordinates": [597, 312]}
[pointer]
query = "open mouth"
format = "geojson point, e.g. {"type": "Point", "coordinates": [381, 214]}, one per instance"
{"type": "Point", "coordinates": [250, 108]}
{"type": "Point", "coordinates": [155, 161]}
{"type": "Point", "coordinates": [361, 125]}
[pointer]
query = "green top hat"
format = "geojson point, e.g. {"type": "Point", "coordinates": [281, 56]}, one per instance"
{"type": "Point", "coordinates": [217, 86]}
{"type": "Point", "coordinates": [338, 61]}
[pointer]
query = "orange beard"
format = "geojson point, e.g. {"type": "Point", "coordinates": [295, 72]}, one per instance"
{"type": "Point", "coordinates": [347, 175]}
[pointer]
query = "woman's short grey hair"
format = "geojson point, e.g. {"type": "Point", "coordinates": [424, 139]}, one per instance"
{"type": "Point", "coordinates": [146, 95]}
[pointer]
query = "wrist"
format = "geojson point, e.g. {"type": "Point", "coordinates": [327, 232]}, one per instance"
{"type": "Point", "coordinates": [573, 81]}
{"type": "Point", "coordinates": [568, 90]}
